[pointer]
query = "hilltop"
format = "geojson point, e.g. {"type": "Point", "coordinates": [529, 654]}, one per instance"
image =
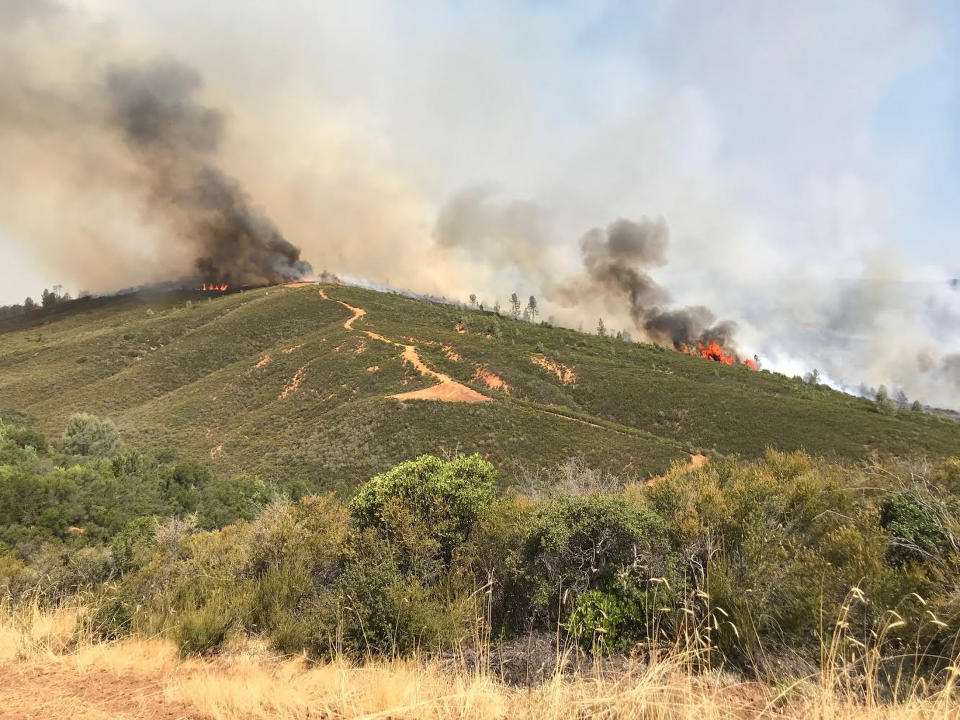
{"type": "Point", "coordinates": [323, 385]}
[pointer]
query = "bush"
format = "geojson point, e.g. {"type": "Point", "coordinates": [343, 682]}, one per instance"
{"type": "Point", "coordinates": [916, 525]}
{"type": "Point", "coordinates": [225, 501]}
{"type": "Point", "coordinates": [576, 544]}
{"type": "Point", "coordinates": [205, 629]}
{"type": "Point", "coordinates": [90, 435]}
{"type": "Point", "coordinates": [603, 622]}
{"type": "Point", "coordinates": [885, 404]}
{"type": "Point", "coordinates": [426, 508]}
{"type": "Point", "coordinates": [133, 545]}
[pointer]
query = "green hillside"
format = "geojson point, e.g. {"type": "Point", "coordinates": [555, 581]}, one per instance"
{"type": "Point", "coordinates": [269, 381]}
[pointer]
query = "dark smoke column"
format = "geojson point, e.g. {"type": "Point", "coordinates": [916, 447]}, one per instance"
{"type": "Point", "coordinates": [176, 141]}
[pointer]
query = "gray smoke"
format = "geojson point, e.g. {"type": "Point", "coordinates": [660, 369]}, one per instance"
{"type": "Point", "coordinates": [176, 140]}
{"type": "Point", "coordinates": [616, 260]}
{"type": "Point", "coordinates": [111, 143]}
{"type": "Point", "coordinates": [616, 264]}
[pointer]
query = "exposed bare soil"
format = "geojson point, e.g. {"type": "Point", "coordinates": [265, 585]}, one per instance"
{"type": "Point", "coordinates": [492, 381]}
{"type": "Point", "coordinates": [564, 374]}
{"type": "Point", "coordinates": [447, 389]}
{"type": "Point", "coordinates": [36, 692]}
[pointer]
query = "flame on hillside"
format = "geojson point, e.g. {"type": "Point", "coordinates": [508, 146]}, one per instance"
{"type": "Point", "coordinates": [214, 287]}
{"type": "Point", "coordinates": [714, 351]}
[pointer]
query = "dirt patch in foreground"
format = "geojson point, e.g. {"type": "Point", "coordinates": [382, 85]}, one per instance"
{"type": "Point", "coordinates": [42, 693]}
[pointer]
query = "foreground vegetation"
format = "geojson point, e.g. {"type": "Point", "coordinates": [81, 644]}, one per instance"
{"type": "Point", "coordinates": [49, 674]}
{"type": "Point", "coordinates": [208, 377]}
{"type": "Point", "coordinates": [785, 569]}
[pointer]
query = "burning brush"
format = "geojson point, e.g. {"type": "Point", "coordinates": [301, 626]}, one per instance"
{"type": "Point", "coordinates": [714, 351]}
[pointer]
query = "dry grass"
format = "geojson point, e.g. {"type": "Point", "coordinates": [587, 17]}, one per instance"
{"type": "Point", "coordinates": [46, 671]}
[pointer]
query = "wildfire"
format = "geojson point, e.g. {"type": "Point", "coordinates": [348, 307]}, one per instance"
{"type": "Point", "coordinates": [713, 351]}
{"type": "Point", "coordinates": [214, 287]}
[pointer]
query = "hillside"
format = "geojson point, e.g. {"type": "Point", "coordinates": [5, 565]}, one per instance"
{"type": "Point", "coordinates": [296, 384]}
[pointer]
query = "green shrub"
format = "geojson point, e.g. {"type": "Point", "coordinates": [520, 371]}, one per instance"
{"type": "Point", "coordinates": [205, 629]}
{"type": "Point", "coordinates": [90, 435]}
{"type": "Point", "coordinates": [224, 501]}
{"type": "Point", "coordinates": [915, 524]}
{"type": "Point", "coordinates": [133, 545]}
{"type": "Point", "coordinates": [604, 622]}
{"type": "Point", "coordinates": [576, 544]}
{"type": "Point", "coordinates": [426, 507]}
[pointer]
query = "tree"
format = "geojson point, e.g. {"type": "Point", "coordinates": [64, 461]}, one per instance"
{"type": "Point", "coordinates": [48, 299]}
{"type": "Point", "coordinates": [885, 405]}
{"type": "Point", "coordinates": [29, 305]}
{"type": "Point", "coordinates": [473, 299]}
{"type": "Point", "coordinates": [496, 306]}
{"type": "Point", "coordinates": [901, 399]}
{"type": "Point", "coordinates": [88, 434]}
{"type": "Point", "coordinates": [812, 377]}
{"type": "Point", "coordinates": [514, 306]}
{"type": "Point", "coordinates": [601, 328]}
{"type": "Point", "coordinates": [532, 308]}
{"type": "Point", "coordinates": [917, 406]}
{"type": "Point", "coordinates": [426, 507]}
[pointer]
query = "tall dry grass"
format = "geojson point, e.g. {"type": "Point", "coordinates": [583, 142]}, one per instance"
{"type": "Point", "coordinates": [249, 683]}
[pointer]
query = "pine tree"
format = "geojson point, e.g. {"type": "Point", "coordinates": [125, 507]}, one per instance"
{"type": "Point", "coordinates": [532, 308]}
{"type": "Point", "coordinates": [601, 328]}
{"type": "Point", "coordinates": [514, 306]}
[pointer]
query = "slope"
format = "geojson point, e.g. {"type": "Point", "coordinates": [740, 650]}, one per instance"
{"type": "Point", "coordinates": [321, 386]}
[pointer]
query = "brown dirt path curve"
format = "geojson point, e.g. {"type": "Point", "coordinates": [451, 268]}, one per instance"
{"type": "Point", "coordinates": [446, 390]}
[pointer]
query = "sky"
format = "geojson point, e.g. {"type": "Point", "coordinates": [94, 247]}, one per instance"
{"type": "Point", "coordinates": [805, 156]}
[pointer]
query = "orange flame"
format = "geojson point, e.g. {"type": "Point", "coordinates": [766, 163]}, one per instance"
{"type": "Point", "coordinates": [713, 351]}
{"type": "Point", "coordinates": [213, 287]}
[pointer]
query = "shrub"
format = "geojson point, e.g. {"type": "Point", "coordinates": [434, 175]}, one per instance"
{"type": "Point", "coordinates": [24, 437]}
{"type": "Point", "coordinates": [133, 545]}
{"type": "Point", "coordinates": [885, 404]}
{"type": "Point", "coordinates": [603, 621]}
{"type": "Point", "coordinates": [915, 524]}
{"type": "Point", "coordinates": [576, 544]}
{"type": "Point", "coordinates": [388, 611]}
{"type": "Point", "coordinates": [225, 501]}
{"type": "Point", "coordinates": [206, 628]}
{"type": "Point", "coordinates": [426, 507]}
{"type": "Point", "coordinates": [90, 435]}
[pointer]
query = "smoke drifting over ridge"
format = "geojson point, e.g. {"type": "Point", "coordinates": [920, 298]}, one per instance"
{"type": "Point", "coordinates": [174, 137]}
{"type": "Point", "coordinates": [615, 265]}
{"type": "Point", "coordinates": [155, 147]}
{"type": "Point", "coordinates": [616, 260]}
{"type": "Point", "coordinates": [349, 133]}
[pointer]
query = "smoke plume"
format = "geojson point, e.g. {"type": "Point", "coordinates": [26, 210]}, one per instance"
{"type": "Point", "coordinates": [175, 139]}
{"type": "Point", "coordinates": [616, 261]}
{"type": "Point", "coordinates": [154, 145]}
{"type": "Point", "coordinates": [615, 273]}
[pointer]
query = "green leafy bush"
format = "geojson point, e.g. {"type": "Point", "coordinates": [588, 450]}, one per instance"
{"type": "Point", "coordinates": [604, 622]}
{"type": "Point", "coordinates": [915, 524]}
{"type": "Point", "coordinates": [576, 544]}
{"type": "Point", "coordinates": [90, 435]}
{"type": "Point", "coordinates": [426, 507]}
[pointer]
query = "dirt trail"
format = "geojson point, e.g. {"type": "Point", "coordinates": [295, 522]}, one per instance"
{"type": "Point", "coordinates": [446, 390]}
{"type": "Point", "coordinates": [39, 693]}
